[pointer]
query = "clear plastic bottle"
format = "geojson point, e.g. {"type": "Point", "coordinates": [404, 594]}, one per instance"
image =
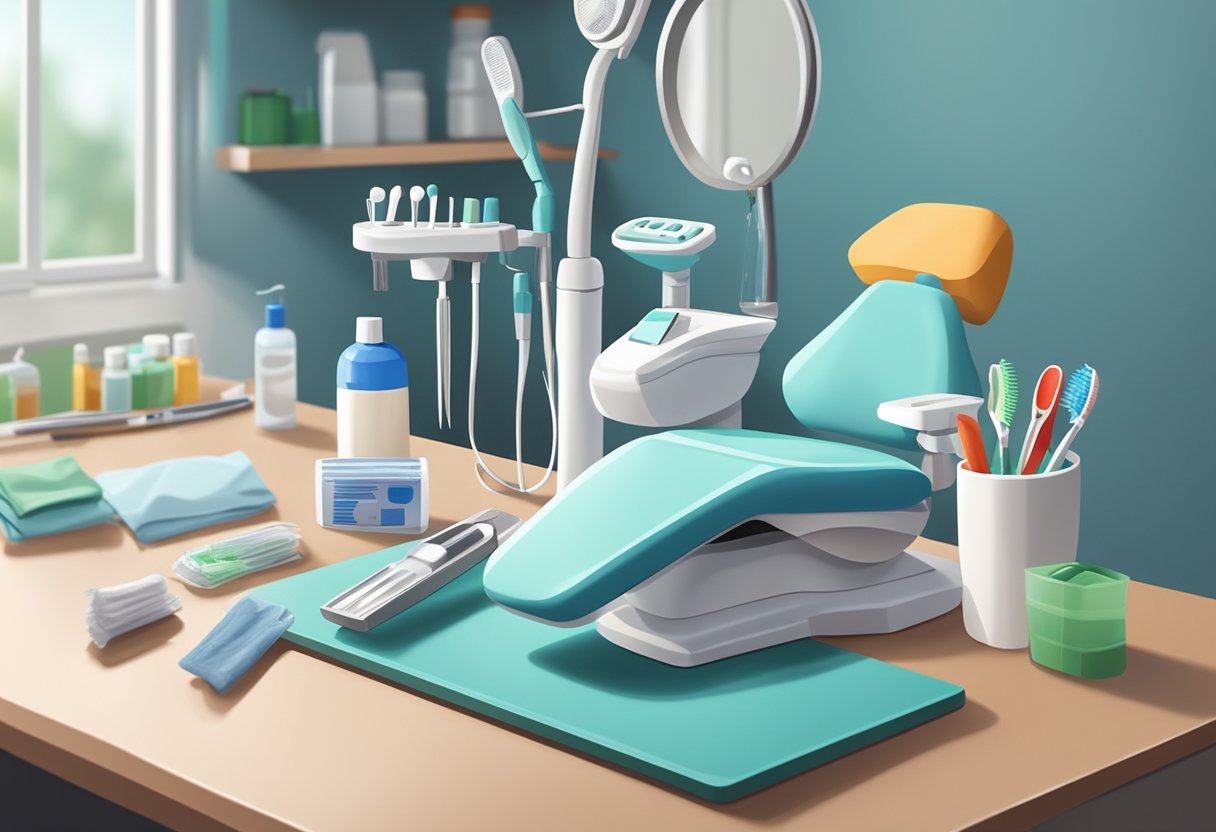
{"type": "Point", "coordinates": [116, 380]}
{"type": "Point", "coordinates": [373, 396]}
{"type": "Point", "coordinates": [274, 350]}
{"type": "Point", "coordinates": [472, 109]}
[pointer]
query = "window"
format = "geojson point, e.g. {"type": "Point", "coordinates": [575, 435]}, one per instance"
{"type": "Point", "coordinates": [83, 136]}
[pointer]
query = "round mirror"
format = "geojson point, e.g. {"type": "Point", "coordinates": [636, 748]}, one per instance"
{"type": "Point", "coordinates": [738, 83]}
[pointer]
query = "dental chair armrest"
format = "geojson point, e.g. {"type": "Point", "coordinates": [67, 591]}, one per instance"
{"type": "Point", "coordinates": [935, 419]}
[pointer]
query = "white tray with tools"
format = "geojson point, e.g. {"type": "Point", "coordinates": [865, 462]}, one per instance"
{"type": "Point", "coordinates": [473, 241]}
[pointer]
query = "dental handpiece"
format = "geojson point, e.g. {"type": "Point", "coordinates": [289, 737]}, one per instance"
{"type": "Point", "coordinates": [432, 191]}
{"type": "Point", "coordinates": [394, 197]}
{"type": "Point", "coordinates": [374, 197]}
{"type": "Point", "coordinates": [416, 195]}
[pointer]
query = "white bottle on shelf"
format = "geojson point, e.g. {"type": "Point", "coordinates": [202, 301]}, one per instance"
{"type": "Point", "coordinates": [472, 109]}
{"type": "Point", "coordinates": [403, 107]}
{"type": "Point", "coordinates": [274, 349]}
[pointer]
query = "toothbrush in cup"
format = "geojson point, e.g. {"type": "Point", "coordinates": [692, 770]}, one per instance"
{"type": "Point", "coordinates": [1042, 420]}
{"type": "Point", "coordinates": [1079, 396]}
{"type": "Point", "coordinates": [1002, 404]}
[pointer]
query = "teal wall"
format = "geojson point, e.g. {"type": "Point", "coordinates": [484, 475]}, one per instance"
{"type": "Point", "coordinates": [1086, 124]}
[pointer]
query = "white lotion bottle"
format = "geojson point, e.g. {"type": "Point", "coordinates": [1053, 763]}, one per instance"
{"type": "Point", "coordinates": [373, 396]}
{"type": "Point", "coordinates": [274, 351]}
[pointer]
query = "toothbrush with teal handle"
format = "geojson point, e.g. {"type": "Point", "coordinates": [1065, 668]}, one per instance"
{"type": "Point", "coordinates": [1078, 398]}
{"type": "Point", "coordinates": [1002, 404]}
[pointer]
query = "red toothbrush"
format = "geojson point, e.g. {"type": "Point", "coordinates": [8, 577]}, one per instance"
{"type": "Point", "coordinates": [1042, 420]}
{"type": "Point", "coordinates": [973, 444]}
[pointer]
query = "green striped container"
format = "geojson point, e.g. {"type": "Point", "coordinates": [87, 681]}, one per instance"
{"type": "Point", "coordinates": [1077, 619]}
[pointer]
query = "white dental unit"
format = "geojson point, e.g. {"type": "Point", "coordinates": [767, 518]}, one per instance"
{"type": "Point", "coordinates": [693, 545]}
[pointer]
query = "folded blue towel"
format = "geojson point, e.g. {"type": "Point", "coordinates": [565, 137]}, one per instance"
{"type": "Point", "coordinates": [234, 645]}
{"type": "Point", "coordinates": [176, 496]}
{"type": "Point", "coordinates": [55, 520]}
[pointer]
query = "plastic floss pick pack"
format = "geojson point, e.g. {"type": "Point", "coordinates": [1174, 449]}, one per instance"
{"type": "Point", "coordinates": [218, 563]}
{"type": "Point", "coordinates": [373, 495]}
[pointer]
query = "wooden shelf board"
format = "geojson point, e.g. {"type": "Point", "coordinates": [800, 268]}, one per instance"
{"type": "Point", "coordinates": [250, 159]}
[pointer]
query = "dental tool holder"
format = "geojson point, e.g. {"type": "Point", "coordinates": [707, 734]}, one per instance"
{"type": "Point", "coordinates": [431, 250]}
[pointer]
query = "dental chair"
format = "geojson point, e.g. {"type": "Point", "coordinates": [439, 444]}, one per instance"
{"type": "Point", "coordinates": [694, 545]}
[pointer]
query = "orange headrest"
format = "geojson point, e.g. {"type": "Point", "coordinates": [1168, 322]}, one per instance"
{"type": "Point", "coordinates": [969, 249]}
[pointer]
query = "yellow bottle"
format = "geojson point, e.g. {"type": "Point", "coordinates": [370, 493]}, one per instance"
{"type": "Point", "coordinates": [86, 380]}
{"type": "Point", "coordinates": [186, 368]}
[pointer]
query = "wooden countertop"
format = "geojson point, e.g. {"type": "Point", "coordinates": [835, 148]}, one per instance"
{"type": "Point", "coordinates": [305, 743]}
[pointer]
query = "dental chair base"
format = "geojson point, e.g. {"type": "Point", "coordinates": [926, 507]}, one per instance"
{"type": "Point", "coordinates": [799, 592]}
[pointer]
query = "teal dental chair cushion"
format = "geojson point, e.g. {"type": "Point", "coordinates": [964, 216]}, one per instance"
{"type": "Point", "coordinates": [652, 501]}
{"type": "Point", "coordinates": [896, 340]}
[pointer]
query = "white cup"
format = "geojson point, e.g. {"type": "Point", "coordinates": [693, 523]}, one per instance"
{"type": "Point", "coordinates": [1007, 523]}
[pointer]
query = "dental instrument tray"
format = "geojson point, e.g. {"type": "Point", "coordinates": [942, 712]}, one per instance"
{"type": "Point", "coordinates": [404, 240]}
{"type": "Point", "coordinates": [431, 564]}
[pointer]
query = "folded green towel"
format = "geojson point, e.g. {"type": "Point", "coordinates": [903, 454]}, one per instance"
{"type": "Point", "coordinates": [54, 520]}
{"type": "Point", "coordinates": [40, 485]}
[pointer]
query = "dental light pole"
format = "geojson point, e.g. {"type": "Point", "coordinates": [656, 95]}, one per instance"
{"type": "Point", "coordinates": [612, 26]}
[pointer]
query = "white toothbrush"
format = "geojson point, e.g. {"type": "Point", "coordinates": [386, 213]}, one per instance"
{"type": "Point", "coordinates": [416, 195]}
{"type": "Point", "coordinates": [374, 197]}
{"type": "Point", "coordinates": [451, 212]}
{"type": "Point", "coordinates": [394, 196]}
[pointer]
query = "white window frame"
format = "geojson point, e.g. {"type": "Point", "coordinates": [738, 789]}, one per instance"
{"type": "Point", "coordinates": [154, 146]}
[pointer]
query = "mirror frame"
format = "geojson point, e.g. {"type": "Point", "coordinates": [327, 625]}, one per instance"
{"type": "Point", "coordinates": [666, 75]}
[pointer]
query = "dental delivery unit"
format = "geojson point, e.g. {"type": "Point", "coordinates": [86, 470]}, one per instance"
{"type": "Point", "coordinates": [708, 540]}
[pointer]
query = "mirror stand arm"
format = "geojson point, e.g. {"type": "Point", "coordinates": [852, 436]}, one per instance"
{"type": "Point", "coordinates": [582, 187]}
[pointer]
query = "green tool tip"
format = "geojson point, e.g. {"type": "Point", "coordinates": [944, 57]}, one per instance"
{"type": "Point", "coordinates": [432, 190]}
{"type": "Point", "coordinates": [1002, 391]}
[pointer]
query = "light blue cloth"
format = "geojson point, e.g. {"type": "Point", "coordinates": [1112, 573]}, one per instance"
{"type": "Point", "coordinates": [176, 496]}
{"type": "Point", "coordinates": [54, 520]}
{"type": "Point", "coordinates": [234, 645]}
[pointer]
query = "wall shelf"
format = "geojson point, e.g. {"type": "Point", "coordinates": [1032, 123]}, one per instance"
{"type": "Point", "coordinates": [255, 159]}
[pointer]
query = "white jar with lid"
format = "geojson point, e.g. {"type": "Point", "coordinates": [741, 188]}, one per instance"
{"type": "Point", "coordinates": [472, 109]}
{"type": "Point", "coordinates": [403, 107]}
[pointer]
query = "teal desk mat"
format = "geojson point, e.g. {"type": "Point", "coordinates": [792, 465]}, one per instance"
{"type": "Point", "coordinates": [719, 731]}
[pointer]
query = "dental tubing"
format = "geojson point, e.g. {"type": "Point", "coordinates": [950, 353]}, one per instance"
{"type": "Point", "coordinates": [522, 306]}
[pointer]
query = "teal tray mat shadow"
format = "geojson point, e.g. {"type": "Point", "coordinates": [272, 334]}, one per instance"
{"type": "Point", "coordinates": [720, 731]}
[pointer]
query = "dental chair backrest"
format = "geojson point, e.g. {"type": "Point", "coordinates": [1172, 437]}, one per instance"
{"type": "Point", "coordinates": [930, 266]}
